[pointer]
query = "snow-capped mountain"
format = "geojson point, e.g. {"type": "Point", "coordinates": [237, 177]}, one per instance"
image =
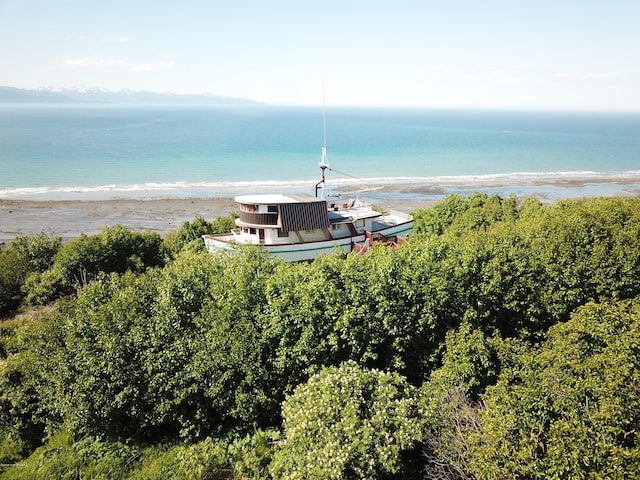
{"type": "Point", "coordinates": [103, 95]}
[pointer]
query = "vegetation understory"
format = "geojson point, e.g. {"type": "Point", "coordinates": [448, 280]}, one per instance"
{"type": "Point", "coordinates": [501, 341]}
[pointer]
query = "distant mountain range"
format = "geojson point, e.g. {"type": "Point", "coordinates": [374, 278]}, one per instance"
{"type": "Point", "coordinates": [94, 95]}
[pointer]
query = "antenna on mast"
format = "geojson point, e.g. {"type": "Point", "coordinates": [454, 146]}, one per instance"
{"type": "Point", "coordinates": [324, 164]}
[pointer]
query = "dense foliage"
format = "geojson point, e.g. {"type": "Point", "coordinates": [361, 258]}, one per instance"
{"type": "Point", "coordinates": [570, 408]}
{"type": "Point", "coordinates": [348, 421]}
{"type": "Point", "coordinates": [501, 341]}
{"type": "Point", "coordinates": [23, 257]}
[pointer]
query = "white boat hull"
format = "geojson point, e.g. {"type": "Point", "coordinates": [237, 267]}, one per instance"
{"type": "Point", "coordinates": [305, 251]}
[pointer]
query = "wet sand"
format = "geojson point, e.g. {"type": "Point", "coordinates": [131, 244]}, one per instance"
{"type": "Point", "coordinates": [69, 218]}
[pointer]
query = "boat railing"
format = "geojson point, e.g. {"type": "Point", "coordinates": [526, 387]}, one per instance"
{"type": "Point", "coordinates": [345, 205]}
{"type": "Point", "coordinates": [400, 214]}
{"type": "Point", "coordinates": [257, 218]}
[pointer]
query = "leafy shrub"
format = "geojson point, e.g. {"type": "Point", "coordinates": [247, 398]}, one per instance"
{"type": "Point", "coordinates": [62, 458]}
{"type": "Point", "coordinates": [22, 258]}
{"type": "Point", "coordinates": [12, 274]}
{"type": "Point", "coordinates": [348, 422]}
{"type": "Point", "coordinates": [450, 398]}
{"type": "Point", "coordinates": [205, 460]}
{"type": "Point", "coordinates": [81, 260]}
{"type": "Point", "coordinates": [457, 214]}
{"type": "Point", "coordinates": [23, 417]}
{"type": "Point", "coordinates": [569, 409]}
{"type": "Point", "coordinates": [213, 345]}
{"type": "Point", "coordinates": [251, 455]}
{"type": "Point", "coordinates": [37, 250]}
{"type": "Point", "coordinates": [190, 233]}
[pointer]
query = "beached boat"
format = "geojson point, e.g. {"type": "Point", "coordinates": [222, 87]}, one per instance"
{"type": "Point", "coordinates": [302, 227]}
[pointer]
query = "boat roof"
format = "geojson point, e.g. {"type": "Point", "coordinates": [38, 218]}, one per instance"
{"type": "Point", "coordinates": [276, 198]}
{"type": "Point", "coordinates": [353, 213]}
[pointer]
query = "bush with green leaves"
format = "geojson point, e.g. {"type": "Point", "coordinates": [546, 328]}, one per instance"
{"type": "Point", "coordinates": [235, 348]}
{"type": "Point", "coordinates": [471, 363]}
{"type": "Point", "coordinates": [37, 250]}
{"type": "Point", "coordinates": [522, 271]}
{"type": "Point", "coordinates": [457, 214]}
{"type": "Point", "coordinates": [12, 274]}
{"type": "Point", "coordinates": [23, 417]}
{"type": "Point", "coordinates": [349, 422]}
{"type": "Point", "coordinates": [569, 409]}
{"type": "Point", "coordinates": [80, 261]}
{"type": "Point", "coordinates": [190, 234]}
{"type": "Point", "coordinates": [22, 258]}
{"type": "Point", "coordinates": [251, 455]}
{"type": "Point", "coordinates": [205, 460]}
{"type": "Point", "coordinates": [213, 345]}
{"type": "Point", "coordinates": [65, 459]}
{"type": "Point", "coordinates": [234, 457]}
{"type": "Point", "coordinates": [118, 360]}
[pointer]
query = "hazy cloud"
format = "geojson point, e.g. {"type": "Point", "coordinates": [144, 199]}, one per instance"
{"type": "Point", "coordinates": [92, 62]}
{"type": "Point", "coordinates": [151, 67]}
{"type": "Point", "coordinates": [104, 38]}
{"type": "Point", "coordinates": [75, 63]}
{"type": "Point", "coordinates": [435, 68]}
{"type": "Point", "coordinates": [78, 38]}
{"type": "Point", "coordinates": [118, 39]}
{"type": "Point", "coordinates": [604, 77]}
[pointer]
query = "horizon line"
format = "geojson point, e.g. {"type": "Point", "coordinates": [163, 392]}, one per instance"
{"type": "Point", "coordinates": [88, 90]}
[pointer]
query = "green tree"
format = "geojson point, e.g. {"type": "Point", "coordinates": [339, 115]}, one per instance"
{"type": "Point", "coordinates": [390, 319]}
{"type": "Point", "coordinates": [569, 409]}
{"type": "Point", "coordinates": [456, 214]}
{"type": "Point", "coordinates": [89, 360]}
{"type": "Point", "coordinates": [190, 233]}
{"type": "Point", "coordinates": [120, 361]}
{"type": "Point", "coordinates": [23, 417]}
{"type": "Point", "coordinates": [80, 261]}
{"type": "Point", "coordinates": [471, 362]}
{"type": "Point", "coordinates": [303, 304]}
{"type": "Point", "coordinates": [37, 250]}
{"type": "Point", "coordinates": [349, 422]}
{"type": "Point", "coordinates": [13, 271]}
{"type": "Point", "coordinates": [523, 270]}
{"type": "Point", "coordinates": [591, 250]}
{"type": "Point", "coordinates": [235, 352]}
{"type": "Point", "coordinates": [22, 258]}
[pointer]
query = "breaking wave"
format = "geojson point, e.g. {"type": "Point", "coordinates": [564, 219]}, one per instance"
{"type": "Point", "coordinates": [335, 182]}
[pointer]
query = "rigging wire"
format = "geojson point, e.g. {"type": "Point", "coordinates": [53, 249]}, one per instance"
{"type": "Point", "coordinates": [346, 174]}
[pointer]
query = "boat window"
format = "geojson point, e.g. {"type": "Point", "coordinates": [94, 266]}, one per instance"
{"type": "Point", "coordinates": [272, 209]}
{"type": "Point", "coordinates": [283, 233]}
{"type": "Point", "coordinates": [360, 223]}
{"type": "Point", "coordinates": [248, 207]}
{"type": "Point", "coordinates": [252, 231]}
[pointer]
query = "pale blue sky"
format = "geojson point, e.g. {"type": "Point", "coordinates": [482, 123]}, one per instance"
{"type": "Point", "coordinates": [542, 54]}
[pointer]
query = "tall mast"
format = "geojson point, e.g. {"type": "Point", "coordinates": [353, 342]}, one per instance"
{"type": "Point", "coordinates": [324, 164]}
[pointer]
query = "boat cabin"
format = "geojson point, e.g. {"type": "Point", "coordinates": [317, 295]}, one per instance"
{"type": "Point", "coordinates": [287, 219]}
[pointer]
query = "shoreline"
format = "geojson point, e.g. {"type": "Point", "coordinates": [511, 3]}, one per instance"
{"type": "Point", "coordinates": [69, 218]}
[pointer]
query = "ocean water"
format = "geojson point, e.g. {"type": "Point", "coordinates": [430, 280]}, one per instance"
{"type": "Point", "coordinates": [100, 152]}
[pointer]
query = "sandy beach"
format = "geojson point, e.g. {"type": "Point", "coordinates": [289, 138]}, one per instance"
{"type": "Point", "coordinates": [69, 218]}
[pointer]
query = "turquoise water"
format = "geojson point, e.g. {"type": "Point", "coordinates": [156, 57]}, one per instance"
{"type": "Point", "coordinates": [96, 152]}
